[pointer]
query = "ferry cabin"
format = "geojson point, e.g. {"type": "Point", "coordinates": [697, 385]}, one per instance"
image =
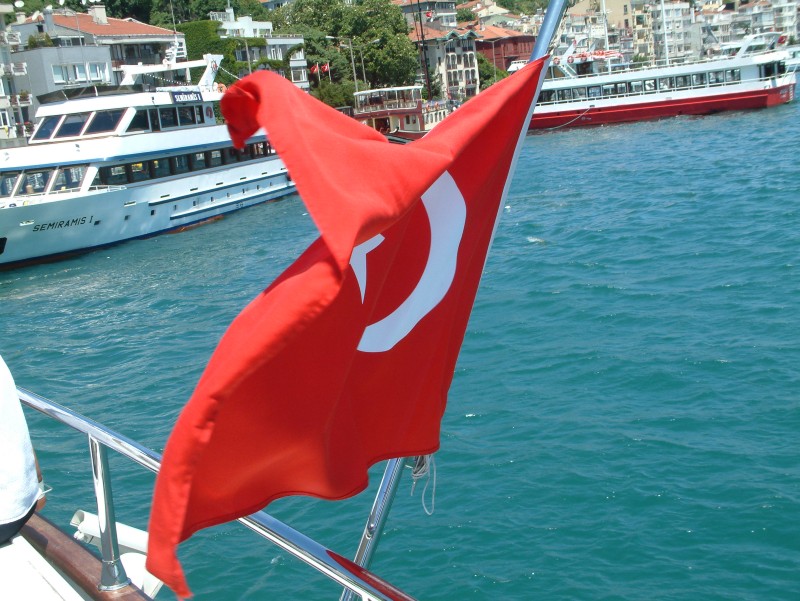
{"type": "Point", "coordinates": [398, 109]}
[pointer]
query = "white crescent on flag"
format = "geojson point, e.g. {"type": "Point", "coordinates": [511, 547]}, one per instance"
{"type": "Point", "coordinates": [447, 214]}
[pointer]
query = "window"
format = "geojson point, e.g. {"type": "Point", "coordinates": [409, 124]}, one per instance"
{"type": "Point", "coordinates": [733, 75]}
{"type": "Point", "coordinates": [197, 160]}
{"type": "Point", "coordinates": [649, 85]}
{"type": "Point", "coordinates": [186, 115]}
{"type": "Point", "coordinates": [160, 168]}
{"type": "Point", "coordinates": [79, 72]}
{"type": "Point", "coordinates": [564, 94]}
{"type": "Point", "coordinates": [69, 178]}
{"type": "Point", "coordinates": [682, 81]}
{"type": "Point", "coordinates": [579, 93]}
{"type": "Point", "coordinates": [47, 128]}
{"type": "Point", "coordinates": [699, 79]}
{"type": "Point", "coordinates": [716, 77]}
{"type": "Point", "coordinates": [60, 73]}
{"type": "Point", "coordinates": [7, 181]}
{"type": "Point", "coordinates": [169, 117]}
{"type": "Point", "coordinates": [609, 90]}
{"type": "Point", "coordinates": [140, 122]}
{"type": "Point", "coordinates": [35, 182]}
{"type": "Point", "coordinates": [138, 172]}
{"type": "Point", "coordinates": [594, 91]}
{"type": "Point", "coordinates": [180, 164]}
{"type": "Point", "coordinates": [215, 158]}
{"type": "Point", "coordinates": [72, 125]}
{"type": "Point", "coordinates": [96, 71]}
{"type": "Point", "coordinates": [113, 176]}
{"type": "Point", "coordinates": [104, 121]}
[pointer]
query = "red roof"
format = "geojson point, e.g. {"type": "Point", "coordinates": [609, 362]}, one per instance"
{"type": "Point", "coordinates": [115, 27]}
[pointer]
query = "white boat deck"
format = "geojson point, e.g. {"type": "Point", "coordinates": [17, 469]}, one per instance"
{"type": "Point", "coordinates": [25, 574]}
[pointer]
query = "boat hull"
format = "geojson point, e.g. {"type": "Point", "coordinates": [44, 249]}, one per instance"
{"type": "Point", "coordinates": [602, 112]}
{"type": "Point", "coordinates": [81, 222]}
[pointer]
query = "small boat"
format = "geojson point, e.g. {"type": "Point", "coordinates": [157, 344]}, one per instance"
{"type": "Point", "coordinates": [105, 165]}
{"type": "Point", "coordinates": [753, 75]}
{"type": "Point", "coordinates": [400, 112]}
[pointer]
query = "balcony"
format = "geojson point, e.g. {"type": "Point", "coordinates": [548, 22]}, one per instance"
{"type": "Point", "coordinates": [20, 100]}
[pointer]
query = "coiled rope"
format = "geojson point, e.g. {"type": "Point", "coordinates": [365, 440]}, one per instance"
{"type": "Point", "coordinates": [423, 466]}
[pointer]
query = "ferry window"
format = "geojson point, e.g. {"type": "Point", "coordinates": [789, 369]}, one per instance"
{"type": "Point", "coordinates": [546, 96]}
{"type": "Point", "coordinates": [232, 155]}
{"type": "Point", "coordinates": [154, 124]}
{"type": "Point", "coordinates": [578, 93]}
{"type": "Point", "coordinates": [215, 158]}
{"type": "Point", "coordinates": [186, 115]}
{"type": "Point", "coordinates": [733, 75]}
{"type": "Point", "coordinates": [636, 87]}
{"type": "Point", "coordinates": [160, 168]}
{"type": "Point", "coordinates": [69, 178]}
{"type": "Point", "coordinates": [113, 176]}
{"type": "Point", "coordinates": [180, 164]}
{"type": "Point", "coordinates": [7, 181]}
{"type": "Point", "coordinates": [198, 113]}
{"type": "Point", "coordinates": [47, 128]}
{"type": "Point", "coordinates": [34, 182]}
{"type": "Point", "coordinates": [197, 160]}
{"type": "Point", "coordinates": [564, 94]}
{"type": "Point", "coordinates": [138, 172]}
{"type": "Point", "coordinates": [594, 91]}
{"type": "Point", "coordinates": [682, 81]}
{"type": "Point", "coordinates": [72, 125]}
{"type": "Point", "coordinates": [698, 79]}
{"type": "Point", "coordinates": [169, 117]}
{"type": "Point", "coordinates": [608, 90]}
{"type": "Point", "coordinates": [104, 121]}
{"type": "Point", "coordinates": [649, 85]}
{"type": "Point", "coordinates": [622, 88]}
{"type": "Point", "coordinates": [666, 83]}
{"type": "Point", "coordinates": [716, 77]}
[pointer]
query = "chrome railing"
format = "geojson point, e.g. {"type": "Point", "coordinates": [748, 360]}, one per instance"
{"type": "Point", "coordinates": [343, 571]}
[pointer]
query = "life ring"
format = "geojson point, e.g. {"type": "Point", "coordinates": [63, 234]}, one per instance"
{"type": "Point", "coordinates": [570, 59]}
{"type": "Point", "coordinates": [221, 87]}
{"type": "Point", "coordinates": [556, 60]}
{"type": "Point", "coordinates": [209, 112]}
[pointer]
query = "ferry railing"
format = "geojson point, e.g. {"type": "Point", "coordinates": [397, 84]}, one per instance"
{"type": "Point", "coordinates": [346, 573]}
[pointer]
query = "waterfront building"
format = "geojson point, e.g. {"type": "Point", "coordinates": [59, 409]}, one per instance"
{"type": "Point", "coordinates": [276, 47]}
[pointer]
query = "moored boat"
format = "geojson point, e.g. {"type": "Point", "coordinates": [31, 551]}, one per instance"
{"type": "Point", "coordinates": [106, 165]}
{"type": "Point", "coordinates": [399, 112]}
{"type": "Point", "coordinates": [755, 76]}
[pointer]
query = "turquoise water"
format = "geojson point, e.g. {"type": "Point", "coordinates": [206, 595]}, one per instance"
{"type": "Point", "coordinates": [624, 423]}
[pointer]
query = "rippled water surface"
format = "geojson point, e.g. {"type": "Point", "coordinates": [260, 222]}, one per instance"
{"type": "Point", "coordinates": [624, 423]}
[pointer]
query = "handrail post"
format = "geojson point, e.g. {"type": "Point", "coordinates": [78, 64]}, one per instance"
{"type": "Point", "coordinates": [377, 516]}
{"type": "Point", "coordinates": [112, 576]}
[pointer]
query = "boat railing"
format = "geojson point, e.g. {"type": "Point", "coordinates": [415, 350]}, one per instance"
{"type": "Point", "coordinates": [388, 105]}
{"type": "Point", "coordinates": [101, 438]}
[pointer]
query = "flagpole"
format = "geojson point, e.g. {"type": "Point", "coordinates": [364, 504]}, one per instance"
{"type": "Point", "coordinates": [552, 19]}
{"type": "Point", "coordinates": [377, 517]}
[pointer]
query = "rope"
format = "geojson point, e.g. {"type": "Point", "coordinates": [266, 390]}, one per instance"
{"type": "Point", "coordinates": [422, 469]}
{"type": "Point", "coordinates": [569, 122]}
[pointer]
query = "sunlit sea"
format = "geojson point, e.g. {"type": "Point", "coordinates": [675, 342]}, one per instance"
{"type": "Point", "coordinates": [624, 421]}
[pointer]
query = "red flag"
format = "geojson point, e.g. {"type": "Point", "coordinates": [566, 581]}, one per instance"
{"type": "Point", "coordinates": [325, 67]}
{"type": "Point", "coordinates": [345, 359]}
{"type": "Point", "coordinates": [314, 68]}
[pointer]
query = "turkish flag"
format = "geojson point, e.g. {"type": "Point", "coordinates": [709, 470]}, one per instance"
{"type": "Point", "coordinates": [325, 67]}
{"type": "Point", "coordinates": [347, 357]}
{"type": "Point", "coordinates": [314, 68]}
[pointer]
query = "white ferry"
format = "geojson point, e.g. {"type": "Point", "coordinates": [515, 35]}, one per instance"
{"type": "Point", "coordinates": [400, 112]}
{"type": "Point", "coordinates": [753, 76]}
{"type": "Point", "coordinates": [103, 166]}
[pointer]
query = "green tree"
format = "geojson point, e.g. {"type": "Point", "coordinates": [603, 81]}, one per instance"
{"type": "Point", "coordinates": [465, 14]}
{"type": "Point", "coordinates": [487, 72]}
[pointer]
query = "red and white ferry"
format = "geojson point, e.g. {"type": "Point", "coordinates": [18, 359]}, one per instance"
{"type": "Point", "coordinates": [752, 76]}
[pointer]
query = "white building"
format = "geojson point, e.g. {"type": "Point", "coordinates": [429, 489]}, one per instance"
{"type": "Point", "coordinates": [277, 47]}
